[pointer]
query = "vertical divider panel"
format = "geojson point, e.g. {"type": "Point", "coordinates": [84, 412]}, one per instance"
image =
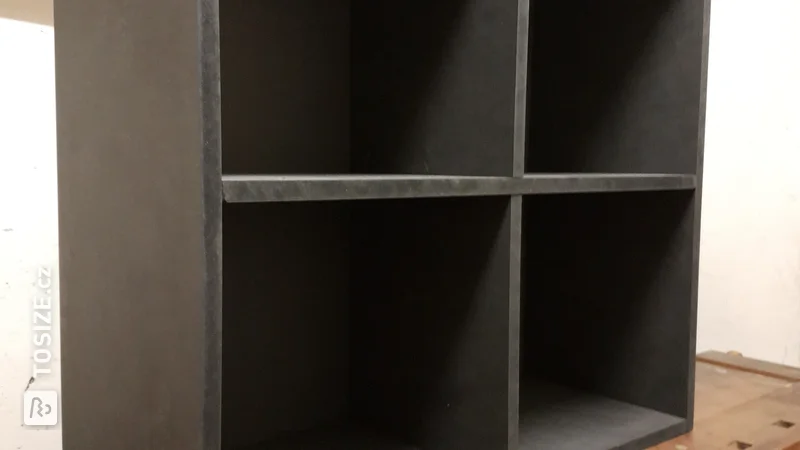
{"type": "Point", "coordinates": [514, 318]}
{"type": "Point", "coordinates": [516, 240]}
{"type": "Point", "coordinates": [521, 88]}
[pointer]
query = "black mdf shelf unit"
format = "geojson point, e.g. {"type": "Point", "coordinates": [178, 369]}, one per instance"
{"type": "Point", "coordinates": [363, 225]}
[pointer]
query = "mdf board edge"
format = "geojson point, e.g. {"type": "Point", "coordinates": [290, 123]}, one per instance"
{"type": "Point", "coordinates": [698, 205]}
{"type": "Point", "coordinates": [211, 116]}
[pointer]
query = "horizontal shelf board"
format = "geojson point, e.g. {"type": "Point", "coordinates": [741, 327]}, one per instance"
{"type": "Point", "coordinates": [293, 188]}
{"type": "Point", "coordinates": [346, 437]}
{"type": "Point", "coordinates": [565, 183]}
{"type": "Point", "coordinates": [260, 188]}
{"type": "Point", "coordinates": [555, 417]}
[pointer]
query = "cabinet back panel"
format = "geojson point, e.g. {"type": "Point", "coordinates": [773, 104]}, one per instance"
{"type": "Point", "coordinates": [285, 319]}
{"type": "Point", "coordinates": [430, 324]}
{"type": "Point", "coordinates": [434, 86]}
{"type": "Point", "coordinates": [285, 86]}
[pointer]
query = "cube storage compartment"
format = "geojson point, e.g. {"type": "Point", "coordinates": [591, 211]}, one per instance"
{"type": "Point", "coordinates": [364, 225]}
{"type": "Point", "coordinates": [368, 87]}
{"type": "Point", "coordinates": [604, 343]}
{"type": "Point", "coordinates": [371, 330]}
{"type": "Point", "coordinates": [614, 86]}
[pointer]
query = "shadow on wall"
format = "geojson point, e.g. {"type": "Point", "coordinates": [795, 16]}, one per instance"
{"type": "Point", "coordinates": [34, 11]}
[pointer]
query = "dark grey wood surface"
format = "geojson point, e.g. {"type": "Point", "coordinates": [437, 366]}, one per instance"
{"type": "Point", "coordinates": [608, 279]}
{"type": "Point", "coordinates": [266, 188]}
{"type": "Point", "coordinates": [286, 320]}
{"type": "Point", "coordinates": [553, 416]}
{"type": "Point", "coordinates": [369, 87]}
{"type": "Point", "coordinates": [434, 86]}
{"type": "Point", "coordinates": [286, 86]}
{"type": "Point", "coordinates": [341, 436]}
{"type": "Point", "coordinates": [139, 196]}
{"type": "Point", "coordinates": [615, 86]}
{"type": "Point", "coordinates": [697, 204]}
{"type": "Point", "coordinates": [410, 316]}
{"type": "Point", "coordinates": [430, 320]}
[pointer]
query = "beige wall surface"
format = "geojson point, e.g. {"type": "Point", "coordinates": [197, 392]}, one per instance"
{"type": "Point", "coordinates": [33, 11]}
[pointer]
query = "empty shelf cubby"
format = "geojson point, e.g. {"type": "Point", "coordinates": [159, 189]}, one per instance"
{"type": "Point", "coordinates": [605, 352]}
{"type": "Point", "coordinates": [368, 86]}
{"type": "Point", "coordinates": [366, 325]}
{"type": "Point", "coordinates": [613, 87]}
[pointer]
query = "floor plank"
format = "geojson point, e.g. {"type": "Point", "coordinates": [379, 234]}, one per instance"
{"type": "Point", "coordinates": [741, 403]}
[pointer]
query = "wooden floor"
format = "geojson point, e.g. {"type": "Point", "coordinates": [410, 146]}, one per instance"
{"type": "Point", "coordinates": [741, 403]}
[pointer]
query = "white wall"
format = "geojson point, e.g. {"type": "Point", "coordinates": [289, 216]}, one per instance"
{"type": "Point", "coordinates": [750, 251]}
{"type": "Point", "coordinates": [750, 256]}
{"type": "Point", "coordinates": [28, 213]}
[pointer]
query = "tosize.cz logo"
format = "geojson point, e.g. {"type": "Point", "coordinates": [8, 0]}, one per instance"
{"type": "Point", "coordinates": [41, 408]}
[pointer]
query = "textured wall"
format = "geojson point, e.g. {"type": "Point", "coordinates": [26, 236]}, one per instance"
{"type": "Point", "coordinates": [28, 219]}
{"type": "Point", "coordinates": [750, 250]}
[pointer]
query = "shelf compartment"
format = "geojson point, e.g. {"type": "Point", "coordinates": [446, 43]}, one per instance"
{"type": "Point", "coordinates": [615, 87]}
{"type": "Point", "coordinates": [607, 310]}
{"type": "Point", "coordinates": [391, 317]}
{"type": "Point", "coordinates": [368, 86]}
{"type": "Point", "coordinates": [277, 188]}
{"type": "Point", "coordinates": [556, 417]}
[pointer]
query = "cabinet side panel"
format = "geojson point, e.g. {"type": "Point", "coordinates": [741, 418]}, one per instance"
{"type": "Point", "coordinates": [133, 231]}
{"type": "Point", "coordinates": [698, 205]}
